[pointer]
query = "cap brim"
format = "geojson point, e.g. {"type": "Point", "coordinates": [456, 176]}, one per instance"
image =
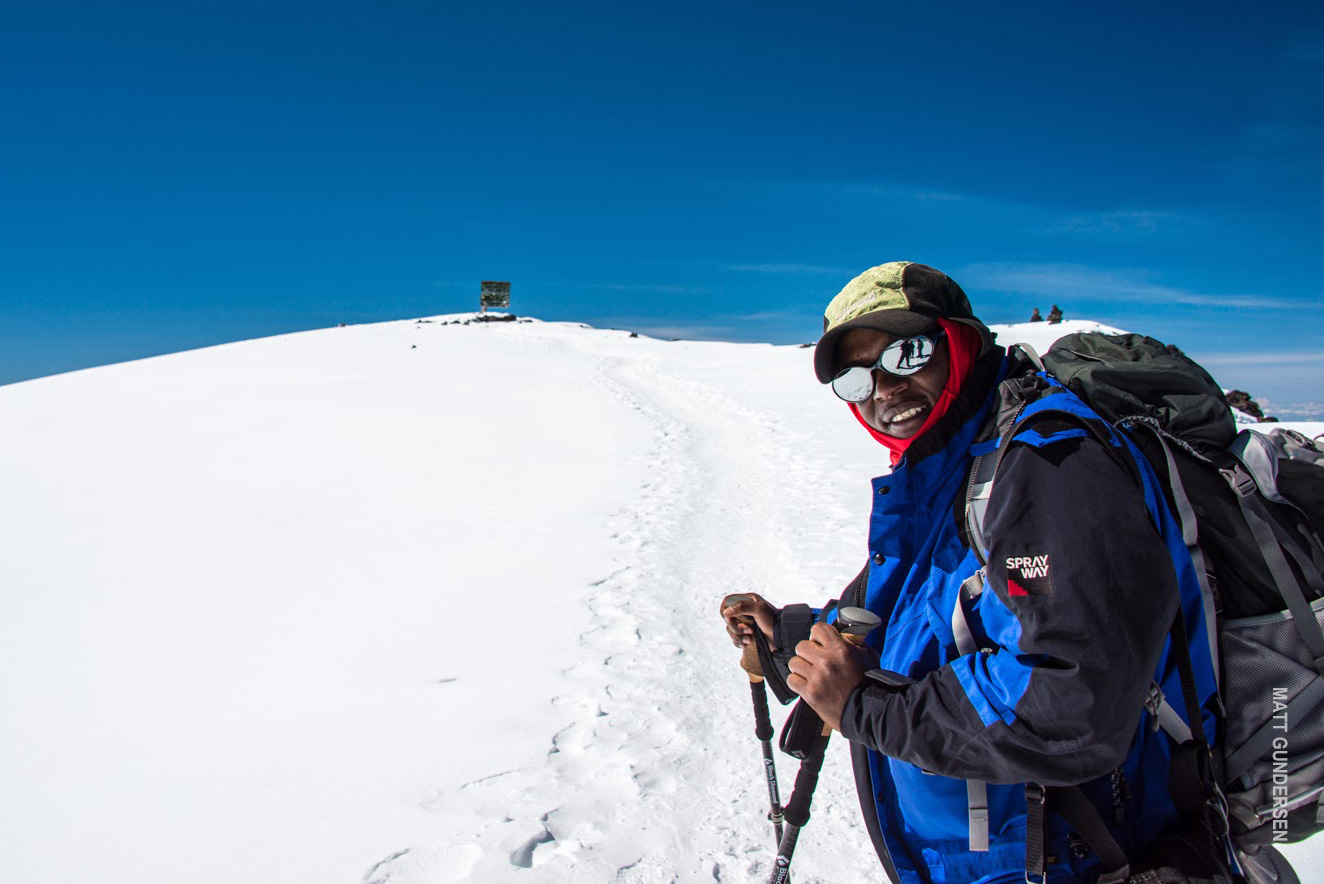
{"type": "Point", "coordinates": [902, 323]}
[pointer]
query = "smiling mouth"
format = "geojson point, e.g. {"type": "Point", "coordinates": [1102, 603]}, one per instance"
{"type": "Point", "coordinates": [907, 414]}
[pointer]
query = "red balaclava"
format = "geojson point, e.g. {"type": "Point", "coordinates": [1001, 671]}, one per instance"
{"type": "Point", "coordinates": [963, 346]}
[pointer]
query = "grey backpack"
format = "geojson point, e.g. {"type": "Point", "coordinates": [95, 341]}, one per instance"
{"type": "Point", "coordinates": [1251, 507]}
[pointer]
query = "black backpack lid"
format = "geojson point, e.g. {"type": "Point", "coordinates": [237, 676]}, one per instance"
{"type": "Point", "coordinates": [1124, 376]}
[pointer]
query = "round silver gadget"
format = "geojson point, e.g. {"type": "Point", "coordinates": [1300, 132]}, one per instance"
{"type": "Point", "coordinates": [857, 621]}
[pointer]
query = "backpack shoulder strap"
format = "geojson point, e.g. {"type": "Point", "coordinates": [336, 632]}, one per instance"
{"type": "Point", "coordinates": [1272, 540]}
{"type": "Point", "coordinates": [1029, 352]}
{"type": "Point", "coordinates": [983, 472]}
{"type": "Point", "coordinates": [1190, 534]}
{"type": "Point", "coordinates": [977, 492]}
{"type": "Point", "coordinates": [1258, 454]}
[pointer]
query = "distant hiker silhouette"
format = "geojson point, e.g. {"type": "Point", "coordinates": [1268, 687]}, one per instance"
{"type": "Point", "coordinates": [1055, 315]}
{"type": "Point", "coordinates": [907, 351]}
{"type": "Point", "coordinates": [1035, 317]}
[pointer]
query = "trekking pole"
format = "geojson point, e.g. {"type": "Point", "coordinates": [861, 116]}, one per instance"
{"type": "Point", "coordinates": [853, 624]}
{"type": "Point", "coordinates": [749, 661]}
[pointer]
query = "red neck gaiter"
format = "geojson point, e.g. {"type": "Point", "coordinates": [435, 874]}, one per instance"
{"type": "Point", "coordinates": [963, 346]}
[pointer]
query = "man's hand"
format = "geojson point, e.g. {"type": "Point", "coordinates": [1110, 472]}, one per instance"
{"type": "Point", "coordinates": [744, 613]}
{"type": "Point", "coordinates": [826, 669]}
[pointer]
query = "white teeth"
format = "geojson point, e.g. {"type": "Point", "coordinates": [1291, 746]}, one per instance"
{"type": "Point", "coordinates": [907, 414]}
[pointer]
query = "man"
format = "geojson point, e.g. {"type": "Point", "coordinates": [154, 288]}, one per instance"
{"type": "Point", "coordinates": [949, 738]}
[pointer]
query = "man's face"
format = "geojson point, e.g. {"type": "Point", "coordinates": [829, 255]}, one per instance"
{"type": "Point", "coordinates": [899, 405]}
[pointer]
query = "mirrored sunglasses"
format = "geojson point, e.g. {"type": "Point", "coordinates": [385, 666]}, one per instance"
{"type": "Point", "coordinates": [900, 358]}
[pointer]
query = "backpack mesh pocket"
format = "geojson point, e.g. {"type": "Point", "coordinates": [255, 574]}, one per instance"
{"type": "Point", "coordinates": [1266, 665]}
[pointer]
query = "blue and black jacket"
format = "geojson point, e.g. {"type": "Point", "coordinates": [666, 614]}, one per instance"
{"type": "Point", "coordinates": [1086, 568]}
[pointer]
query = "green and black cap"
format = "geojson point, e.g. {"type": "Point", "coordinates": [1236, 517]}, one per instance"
{"type": "Point", "coordinates": [900, 298]}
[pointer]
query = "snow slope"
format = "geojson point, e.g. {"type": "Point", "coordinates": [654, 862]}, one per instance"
{"type": "Point", "coordinates": [414, 602]}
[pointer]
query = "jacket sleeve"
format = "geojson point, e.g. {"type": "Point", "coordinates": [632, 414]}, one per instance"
{"type": "Point", "coordinates": [1080, 594]}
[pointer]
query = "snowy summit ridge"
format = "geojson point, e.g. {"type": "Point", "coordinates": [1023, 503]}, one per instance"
{"type": "Point", "coordinates": [417, 601]}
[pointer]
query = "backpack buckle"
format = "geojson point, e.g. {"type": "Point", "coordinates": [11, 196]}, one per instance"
{"type": "Point", "coordinates": [1220, 814]}
{"type": "Point", "coordinates": [1153, 702]}
{"type": "Point", "coordinates": [1241, 481]}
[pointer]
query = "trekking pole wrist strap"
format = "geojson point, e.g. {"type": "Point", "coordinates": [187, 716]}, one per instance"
{"type": "Point", "coordinates": [792, 626]}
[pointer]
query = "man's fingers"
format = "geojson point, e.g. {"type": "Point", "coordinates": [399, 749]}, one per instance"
{"type": "Point", "coordinates": [733, 599]}
{"type": "Point", "coordinates": [802, 670]}
{"type": "Point", "coordinates": [741, 632]}
{"type": "Point", "coordinates": [742, 604]}
{"type": "Point", "coordinates": [825, 670]}
{"type": "Point", "coordinates": [740, 619]}
{"type": "Point", "coordinates": [823, 641]}
{"type": "Point", "coordinates": [738, 611]}
{"type": "Point", "coordinates": [826, 635]}
{"type": "Point", "coordinates": [747, 612]}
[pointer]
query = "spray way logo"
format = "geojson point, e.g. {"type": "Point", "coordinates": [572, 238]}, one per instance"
{"type": "Point", "coordinates": [1028, 575]}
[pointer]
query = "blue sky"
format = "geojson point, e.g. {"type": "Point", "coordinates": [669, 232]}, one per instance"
{"type": "Point", "coordinates": [177, 174]}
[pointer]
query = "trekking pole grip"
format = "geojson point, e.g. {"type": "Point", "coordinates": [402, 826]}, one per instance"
{"type": "Point", "coordinates": [749, 655]}
{"type": "Point", "coordinates": [762, 720]}
{"type": "Point", "coordinates": [855, 623]}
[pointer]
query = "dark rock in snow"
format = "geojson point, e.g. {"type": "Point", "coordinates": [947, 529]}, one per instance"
{"type": "Point", "coordinates": [1242, 402]}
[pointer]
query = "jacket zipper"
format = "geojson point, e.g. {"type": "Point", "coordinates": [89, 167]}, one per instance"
{"type": "Point", "coordinates": [1121, 794]}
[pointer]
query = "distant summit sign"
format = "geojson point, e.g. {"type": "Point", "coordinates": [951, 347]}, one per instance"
{"type": "Point", "coordinates": [494, 294]}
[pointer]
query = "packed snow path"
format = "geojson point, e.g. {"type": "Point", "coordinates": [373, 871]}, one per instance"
{"type": "Point", "coordinates": [413, 603]}
{"type": "Point", "coordinates": [657, 777]}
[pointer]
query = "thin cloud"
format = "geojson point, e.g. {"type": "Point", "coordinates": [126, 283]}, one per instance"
{"type": "Point", "coordinates": [836, 187]}
{"type": "Point", "coordinates": [766, 316]}
{"type": "Point", "coordinates": [1009, 214]}
{"type": "Point", "coordinates": [1263, 357]}
{"type": "Point", "coordinates": [798, 269]}
{"type": "Point", "coordinates": [1120, 221]}
{"type": "Point", "coordinates": [648, 287]}
{"type": "Point", "coordinates": [1304, 411]}
{"type": "Point", "coordinates": [1086, 283]}
{"type": "Point", "coordinates": [1307, 46]}
{"type": "Point", "coordinates": [911, 194]}
{"type": "Point", "coordinates": [884, 190]}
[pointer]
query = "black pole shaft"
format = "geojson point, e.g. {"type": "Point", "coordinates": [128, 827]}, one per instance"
{"type": "Point", "coordinates": [763, 730]}
{"type": "Point", "coordinates": [774, 798]}
{"type": "Point", "coordinates": [781, 869]}
{"type": "Point", "coordinates": [797, 809]}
